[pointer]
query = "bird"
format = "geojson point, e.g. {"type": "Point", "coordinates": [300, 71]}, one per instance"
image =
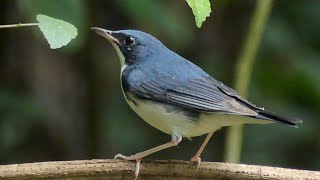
{"type": "Point", "coordinates": [176, 96]}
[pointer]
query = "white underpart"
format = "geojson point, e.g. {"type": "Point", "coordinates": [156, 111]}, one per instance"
{"type": "Point", "coordinates": [121, 56]}
{"type": "Point", "coordinates": [157, 116]}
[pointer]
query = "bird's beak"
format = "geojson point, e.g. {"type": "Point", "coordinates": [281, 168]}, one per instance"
{"type": "Point", "coordinates": [106, 34]}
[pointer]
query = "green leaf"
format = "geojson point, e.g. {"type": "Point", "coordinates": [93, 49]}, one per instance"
{"type": "Point", "coordinates": [201, 10]}
{"type": "Point", "coordinates": [57, 32]}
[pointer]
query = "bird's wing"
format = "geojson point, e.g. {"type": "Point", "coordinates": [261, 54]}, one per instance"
{"type": "Point", "coordinates": [229, 91]}
{"type": "Point", "coordinates": [202, 94]}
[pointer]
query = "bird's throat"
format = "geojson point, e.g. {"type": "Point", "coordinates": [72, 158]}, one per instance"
{"type": "Point", "coordinates": [121, 56]}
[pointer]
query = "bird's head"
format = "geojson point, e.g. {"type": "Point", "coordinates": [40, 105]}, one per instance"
{"type": "Point", "coordinates": [132, 46]}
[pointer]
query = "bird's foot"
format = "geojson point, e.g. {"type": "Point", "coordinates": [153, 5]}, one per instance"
{"type": "Point", "coordinates": [131, 158]}
{"type": "Point", "coordinates": [196, 160]}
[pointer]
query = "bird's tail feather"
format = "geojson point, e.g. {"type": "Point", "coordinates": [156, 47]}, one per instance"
{"type": "Point", "coordinates": [273, 117]}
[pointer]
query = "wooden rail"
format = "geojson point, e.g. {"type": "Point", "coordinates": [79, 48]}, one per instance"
{"type": "Point", "coordinates": [116, 169]}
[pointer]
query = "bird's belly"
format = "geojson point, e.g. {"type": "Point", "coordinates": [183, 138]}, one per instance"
{"type": "Point", "coordinates": [170, 119]}
{"type": "Point", "coordinates": [157, 116]}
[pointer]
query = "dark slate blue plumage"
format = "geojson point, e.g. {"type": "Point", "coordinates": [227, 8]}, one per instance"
{"type": "Point", "coordinates": [182, 83]}
{"type": "Point", "coordinates": [156, 73]}
{"type": "Point", "coordinates": [162, 75]}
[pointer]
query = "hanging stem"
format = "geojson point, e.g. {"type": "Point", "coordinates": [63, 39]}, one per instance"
{"type": "Point", "coordinates": [243, 73]}
{"type": "Point", "coordinates": [18, 25]}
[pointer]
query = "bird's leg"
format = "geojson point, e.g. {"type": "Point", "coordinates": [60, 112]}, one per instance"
{"type": "Point", "coordinates": [196, 158]}
{"type": "Point", "coordinates": [176, 139]}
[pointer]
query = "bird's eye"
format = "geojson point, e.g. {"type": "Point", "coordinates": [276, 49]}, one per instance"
{"type": "Point", "coordinates": [129, 41]}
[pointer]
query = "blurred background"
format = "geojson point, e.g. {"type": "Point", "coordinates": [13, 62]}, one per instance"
{"type": "Point", "coordinates": [67, 104]}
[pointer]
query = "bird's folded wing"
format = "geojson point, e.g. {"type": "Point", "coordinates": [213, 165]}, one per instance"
{"type": "Point", "coordinates": [232, 93]}
{"type": "Point", "coordinates": [197, 94]}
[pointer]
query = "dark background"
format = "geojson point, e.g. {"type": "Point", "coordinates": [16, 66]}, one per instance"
{"type": "Point", "coordinates": [67, 104]}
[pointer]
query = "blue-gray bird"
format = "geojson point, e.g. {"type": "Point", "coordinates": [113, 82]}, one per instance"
{"type": "Point", "coordinates": [174, 95]}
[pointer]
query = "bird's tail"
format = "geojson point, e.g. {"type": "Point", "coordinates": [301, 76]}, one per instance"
{"type": "Point", "coordinates": [273, 117]}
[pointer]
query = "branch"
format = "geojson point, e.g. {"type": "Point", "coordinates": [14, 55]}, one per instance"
{"type": "Point", "coordinates": [18, 25]}
{"type": "Point", "coordinates": [244, 71]}
{"type": "Point", "coordinates": [111, 169]}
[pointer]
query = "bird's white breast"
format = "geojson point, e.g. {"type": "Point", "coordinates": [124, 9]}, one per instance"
{"type": "Point", "coordinates": [156, 115]}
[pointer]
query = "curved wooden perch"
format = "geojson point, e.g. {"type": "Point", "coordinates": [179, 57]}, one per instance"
{"type": "Point", "coordinates": [116, 169]}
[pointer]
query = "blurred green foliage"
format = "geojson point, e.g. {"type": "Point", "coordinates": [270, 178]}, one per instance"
{"type": "Point", "coordinates": [67, 104]}
{"type": "Point", "coordinates": [158, 16]}
{"type": "Point", "coordinates": [72, 11]}
{"type": "Point", "coordinates": [201, 10]}
{"type": "Point", "coordinates": [18, 115]}
{"type": "Point", "coordinates": [57, 32]}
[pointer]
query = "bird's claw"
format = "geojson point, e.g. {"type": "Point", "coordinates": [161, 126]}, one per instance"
{"type": "Point", "coordinates": [131, 158]}
{"type": "Point", "coordinates": [196, 160]}
{"type": "Point", "coordinates": [120, 156]}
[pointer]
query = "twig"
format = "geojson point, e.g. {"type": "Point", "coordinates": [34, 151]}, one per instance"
{"type": "Point", "coordinates": [18, 25]}
{"type": "Point", "coordinates": [243, 73]}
